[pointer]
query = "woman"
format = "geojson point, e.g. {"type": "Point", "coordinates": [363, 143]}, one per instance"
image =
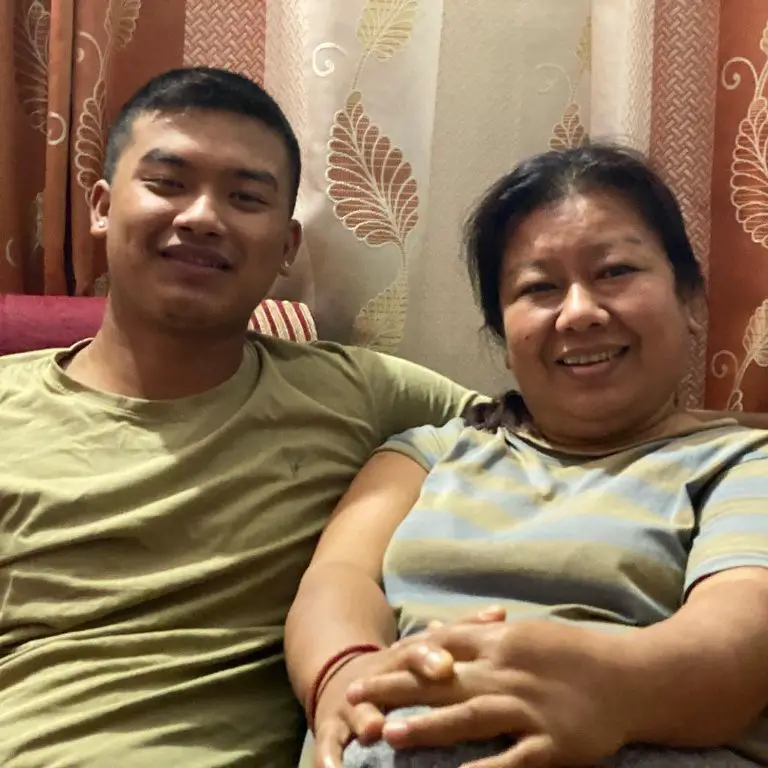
{"type": "Point", "coordinates": [624, 539]}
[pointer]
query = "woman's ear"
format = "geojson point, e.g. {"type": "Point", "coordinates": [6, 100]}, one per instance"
{"type": "Point", "coordinates": [695, 308]}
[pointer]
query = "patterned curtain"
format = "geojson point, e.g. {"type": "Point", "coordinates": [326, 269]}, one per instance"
{"type": "Point", "coordinates": [65, 68]}
{"type": "Point", "coordinates": [406, 110]}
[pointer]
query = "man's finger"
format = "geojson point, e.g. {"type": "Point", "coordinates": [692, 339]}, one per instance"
{"type": "Point", "coordinates": [478, 719]}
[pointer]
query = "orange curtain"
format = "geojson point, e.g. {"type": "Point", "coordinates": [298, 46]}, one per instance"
{"type": "Point", "coordinates": [737, 373]}
{"type": "Point", "coordinates": [66, 66]}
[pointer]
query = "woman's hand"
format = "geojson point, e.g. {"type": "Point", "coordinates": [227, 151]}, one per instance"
{"type": "Point", "coordinates": [556, 688]}
{"type": "Point", "coordinates": [337, 721]}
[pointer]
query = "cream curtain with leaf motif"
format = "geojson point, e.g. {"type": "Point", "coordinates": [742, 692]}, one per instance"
{"type": "Point", "coordinates": [408, 109]}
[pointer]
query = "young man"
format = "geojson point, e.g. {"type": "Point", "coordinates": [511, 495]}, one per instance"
{"type": "Point", "coordinates": [162, 486]}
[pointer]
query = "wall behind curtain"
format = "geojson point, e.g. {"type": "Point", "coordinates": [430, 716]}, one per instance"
{"type": "Point", "coordinates": [406, 110]}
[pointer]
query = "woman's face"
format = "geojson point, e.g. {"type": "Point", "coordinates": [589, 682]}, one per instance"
{"type": "Point", "coordinates": [596, 334]}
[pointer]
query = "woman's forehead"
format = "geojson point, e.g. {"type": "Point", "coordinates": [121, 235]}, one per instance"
{"type": "Point", "coordinates": [587, 227]}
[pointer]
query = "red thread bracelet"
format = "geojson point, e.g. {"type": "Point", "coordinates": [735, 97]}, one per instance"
{"type": "Point", "coordinates": [344, 655]}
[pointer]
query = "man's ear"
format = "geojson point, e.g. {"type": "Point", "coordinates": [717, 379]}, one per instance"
{"type": "Point", "coordinates": [291, 248]}
{"type": "Point", "coordinates": [695, 312]}
{"type": "Point", "coordinates": [101, 196]}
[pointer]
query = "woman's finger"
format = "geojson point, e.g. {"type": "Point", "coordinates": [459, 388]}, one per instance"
{"type": "Point", "coordinates": [366, 722]}
{"type": "Point", "coordinates": [404, 689]}
{"type": "Point", "coordinates": [464, 642]}
{"type": "Point", "coordinates": [422, 658]}
{"type": "Point", "coordinates": [427, 660]}
{"type": "Point", "coordinates": [490, 615]}
{"type": "Point", "coordinates": [331, 738]}
{"type": "Point", "coordinates": [477, 719]}
{"type": "Point", "coordinates": [529, 752]}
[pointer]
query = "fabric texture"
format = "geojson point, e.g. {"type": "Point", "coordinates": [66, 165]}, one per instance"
{"type": "Point", "coordinates": [611, 541]}
{"type": "Point", "coordinates": [150, 550]}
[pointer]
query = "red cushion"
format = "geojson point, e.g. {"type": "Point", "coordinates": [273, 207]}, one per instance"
{"type": "Point", "coordinates": [44, 322]}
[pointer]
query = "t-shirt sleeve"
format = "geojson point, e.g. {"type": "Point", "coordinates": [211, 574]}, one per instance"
{"type": "Point", "coordinates": [733, 522]}
{"type": "Point", "coordinates": [406, 395]}
{"type": "Point", "coordinates": [425, 445]}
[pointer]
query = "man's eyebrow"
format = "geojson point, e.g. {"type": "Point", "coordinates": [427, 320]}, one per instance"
{"type": "Point", "coordinates": [164, 157]}
{"type": "Point", "coordinates": [263, 177]}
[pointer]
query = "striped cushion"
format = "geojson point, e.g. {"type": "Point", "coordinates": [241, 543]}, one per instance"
{"type": "Point", "coordinates": [289, 320]}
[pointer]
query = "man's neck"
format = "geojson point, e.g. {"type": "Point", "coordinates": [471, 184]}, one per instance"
{"type": "Point", "coordinates": [155, 365]}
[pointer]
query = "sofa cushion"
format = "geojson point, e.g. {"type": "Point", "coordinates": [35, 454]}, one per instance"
{"type": "Point", "coordinates": [43, 322]}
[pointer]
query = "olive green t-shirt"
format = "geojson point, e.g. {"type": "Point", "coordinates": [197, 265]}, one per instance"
{"type": "Point", "coordinates": [150, 550]}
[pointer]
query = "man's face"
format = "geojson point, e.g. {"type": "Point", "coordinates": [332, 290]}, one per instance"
{"type": "Point", "coordinates": [197, 220]}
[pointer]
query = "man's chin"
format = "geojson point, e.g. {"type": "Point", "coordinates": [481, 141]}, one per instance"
{"type": "Point", "coordinates": [183, 314]}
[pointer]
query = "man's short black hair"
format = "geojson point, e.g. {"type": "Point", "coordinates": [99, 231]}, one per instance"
{"type": "Point", "coordinates": [203, 88]}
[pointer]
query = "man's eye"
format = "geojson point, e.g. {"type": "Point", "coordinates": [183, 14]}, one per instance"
{"type": "Point", "coordinates": [246, 197]}
{"type": "Point", "coordinates": [164, 183]}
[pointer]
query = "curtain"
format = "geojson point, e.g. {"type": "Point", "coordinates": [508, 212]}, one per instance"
{"type": "Point", "coordinates": [406, 111]}
{"type": "Point", "coordinates": [685, 81]}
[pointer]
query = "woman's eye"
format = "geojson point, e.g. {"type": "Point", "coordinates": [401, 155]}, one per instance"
{"type": "Point", "coordinates": [531, 288]}
{"type": "Point", "coordinates": [617, 270]}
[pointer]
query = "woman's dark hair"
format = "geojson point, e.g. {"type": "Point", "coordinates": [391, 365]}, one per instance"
{"type": "Point", "coordinates": [546, 179]}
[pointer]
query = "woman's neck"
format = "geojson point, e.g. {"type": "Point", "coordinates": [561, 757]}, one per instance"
{"type": "Point", "coordinates": [602, 438]}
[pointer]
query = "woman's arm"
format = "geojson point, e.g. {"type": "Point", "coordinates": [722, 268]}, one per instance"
{"type": "Point", "coordinates": [340, 601]}
{"type": "Point", "coordinates": [700, 678]}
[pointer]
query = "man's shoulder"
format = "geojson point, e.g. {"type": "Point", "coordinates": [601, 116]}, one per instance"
{"type": "Point", "coordinates": [283, 353]}
{"type": "Point", "coordinates": [345, 359]}
{"type": "Point", "coordinates": [26, 363]}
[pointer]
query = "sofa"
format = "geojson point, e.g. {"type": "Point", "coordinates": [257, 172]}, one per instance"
{"type": "Point", "coordinates": [40, 322]}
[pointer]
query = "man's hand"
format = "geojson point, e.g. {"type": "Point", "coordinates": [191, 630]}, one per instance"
{"type": "Point", "coordinates": [556, 688]}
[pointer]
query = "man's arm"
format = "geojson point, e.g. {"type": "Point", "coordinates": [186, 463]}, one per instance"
{"type": "Point", "coordinates": [406, 395]}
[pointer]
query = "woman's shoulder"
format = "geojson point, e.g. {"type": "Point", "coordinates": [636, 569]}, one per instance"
{"type": "Point", "coordinates": [456, 439]}
{"type": "Point", "coordinates": [724, 436]}
{"type": "Point", "coordinates": [454, 431]}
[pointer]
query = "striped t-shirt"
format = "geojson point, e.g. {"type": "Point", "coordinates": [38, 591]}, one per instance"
{"type": "Point", "coordinates": [612, 541]}
{"type": "Point", "coordinates": [616, 539]}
